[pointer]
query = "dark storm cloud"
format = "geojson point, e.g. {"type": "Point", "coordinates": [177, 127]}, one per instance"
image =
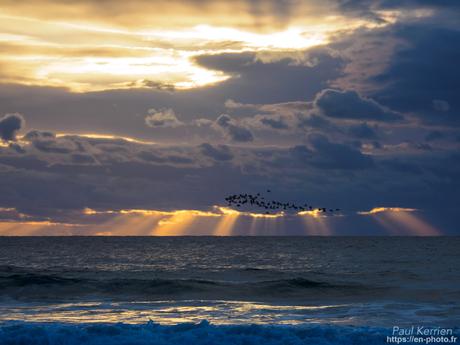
{"type": "Point", "coordinates": [351, 105]}
{"type": "Point", "coordinates": [396, 164]}
{"type": "Point", "coordinates": [283, 80]}
{"type": "Point", "coordinates": [301, 154]}
{"type": "Point", "coordinates": [39, 135]}
{"type": "Point", "coordinates": [10, 124]}
{"type": "Point", "coordinates": [123, 112]}
{"type": "Point", "coordinates": [316, 138]}
{"type": "Point", "coordinates": [423, 76]}
{"type": "Point", "coordinates": [151, 157]}
{"type": "Point", "coordinates": [275, 123]}
{"type": "Point", "coordinates": [79, 158]}
{"type": "Point", "coordinates": [372, 8]}
{"type": "Point", "coordinates": [117, 174]}
{"type": "Point", "coordinates": [16, 147]}
{"type": "Point", "coordinates": [362, 130]}
{"type": "Point", "coordinates": [434, 135]}
{"type": "Point", "coordinates": [440, 105]}
{"type": "Point", "coordinates": [314, 121]}
{"type": "Point", "coordinates": [233, 130]}
{"type": "Point", "coordinates": [218, 153]}
{"type": "Point", "coordinates": [47, 142]}
{"type": "Point", "coordinates": [336, 155]}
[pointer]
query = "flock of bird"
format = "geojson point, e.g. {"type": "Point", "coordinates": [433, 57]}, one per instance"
{"type": "Point", "coordinates": [240, 200]}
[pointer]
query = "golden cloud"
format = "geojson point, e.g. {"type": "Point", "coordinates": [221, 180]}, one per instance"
{"type": "Point", "coordinates": [99, 45]}
{"type": "Point", "coordinates": [387, 209]}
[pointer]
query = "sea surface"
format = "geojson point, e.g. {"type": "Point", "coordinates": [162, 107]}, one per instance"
{"type": "Point", "coordinates": [225, 290]}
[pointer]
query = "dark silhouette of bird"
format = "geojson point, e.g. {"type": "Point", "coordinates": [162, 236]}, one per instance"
{"type": "Point", "coordinates": [242, 199]}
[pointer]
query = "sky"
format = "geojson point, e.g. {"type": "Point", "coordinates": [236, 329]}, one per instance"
{"type": "Point", "coordinates": [139, 117]}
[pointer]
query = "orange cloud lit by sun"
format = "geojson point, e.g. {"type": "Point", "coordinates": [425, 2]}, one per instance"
{"type": "Point", "coordinates": [316, 223]}
{"type": "Point", "coordinates": [376, 210]}
{"type": "Point", "coordinates": [219, 221]}
{"type": "Point", "coordinates": [173, 223]}
{"type": "Point", "coordinates": [139, 43]}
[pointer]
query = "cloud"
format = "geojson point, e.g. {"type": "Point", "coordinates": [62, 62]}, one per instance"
{"type": "Point", "coordinates": [202, 122]}
{"type": "Point", "coordinates": [434, 135]}
{"type": "Point", "coordinates": [422, 75]}
{"type": "Point", "coordinates": [158, 85]}
{"type": "Point", "coordinates": [362, 131]}
{"type": "Point", "coordinates": [348, 104]}
{"type": "Point", "coordinates": [386, 209]}
{"type": "Point", "coordinates": [218, 153]}
{"type": "Point", "coordinates": [314, 121]}
{"type": "Point", "coordinates": [162, 118]}
{"type": "Point", "coordinates": [337, 156]}
{"type": "Point", "coordinates": [39, 135]}
{"type": "Point", "coordinates": [274, 123]}
{"type": "Point", "coordinates": [440, 105]}
{"type": "Point", "coordinates": [406, 168]}
{"type": "Point", "coordinates": [16, 147]}
{"type": "Point", "coordinates": [231, 104]}
{"type": "Point", "coordinates": [49, 143]}
{"type": "Point", "coordinates": [233, 130]}
{"type": "Point", "coordinates": [10, 124]}
{"type": "Point", "coordinates": [254, 81]}
{"type": "Point", "coordinates": [111, 174]}
{"type": "Point", "coordinates": [79, 158]}
{"type": "Point", "coordinates": [301, 152]}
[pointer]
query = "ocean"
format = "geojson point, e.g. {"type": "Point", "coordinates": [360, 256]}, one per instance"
{"type": "Point", "coordinates": [225, 290]}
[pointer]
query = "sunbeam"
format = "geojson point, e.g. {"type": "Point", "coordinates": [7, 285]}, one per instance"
{"type": "Point", "coordinates": [315, 223]}
{"type": "Point", "coordinates": [401, 221]}
{"type": "Point", "coordinates": [176, 225]}
{"type": "Point", "coordinates": [227, 222]}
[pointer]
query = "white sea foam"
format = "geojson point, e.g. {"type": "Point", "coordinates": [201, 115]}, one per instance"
{"type": "Point", "coordinates": [192, 334]}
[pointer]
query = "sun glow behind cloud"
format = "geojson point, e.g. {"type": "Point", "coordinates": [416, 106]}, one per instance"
{"type": "Point", "coordinates": [99, 53]}
{"type": "Point", "coordinates": [316, 223]}
{"type": "Point", "coordinates": [106, 136]}
{"type": "Point", "coordinates": [218, 221]}
{"type": "Point", "coordinates": [376, 210]}
{"type": "Point", "coordinates": [36, 228]}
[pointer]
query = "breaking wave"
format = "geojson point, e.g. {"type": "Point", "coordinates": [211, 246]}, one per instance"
{"type": "Point", "coordinates": [186, 333]}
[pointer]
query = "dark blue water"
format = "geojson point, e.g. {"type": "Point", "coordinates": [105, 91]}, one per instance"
{"type": "Point", "coordinates": [303, 281]}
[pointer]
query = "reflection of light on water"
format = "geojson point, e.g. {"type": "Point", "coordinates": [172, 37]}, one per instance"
{"type": "Point", "coordinates": [169, 312]}
{"type": "Point", "coordinates": [228, 312]}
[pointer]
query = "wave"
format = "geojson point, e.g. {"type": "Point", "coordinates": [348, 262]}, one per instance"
{"type": "Point", "coordinates": [186, 333]}
{"type": "Point", "coordinates": [33, 286]}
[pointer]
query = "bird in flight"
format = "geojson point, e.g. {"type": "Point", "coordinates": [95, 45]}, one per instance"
{"type": "Point", "coordinates": [256, 200]}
